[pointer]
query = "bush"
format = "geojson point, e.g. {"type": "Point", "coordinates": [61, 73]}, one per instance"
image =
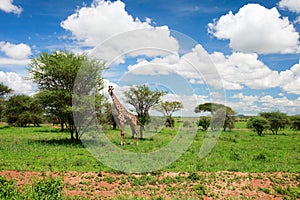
{"type": "Point", "coordinates": [204, 122]}
{"type": "Point", "coordinates": [258, 124]}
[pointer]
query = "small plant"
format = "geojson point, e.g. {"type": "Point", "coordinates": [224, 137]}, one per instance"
{"type": "Point", "coordinates": [48, 188]}
{"type": "Point", "coordinates": [200, 189]}
{"type": "Point", "coordinates": [7, 188]}
{"type": "Point", "coordinates": [193, 176]}
{"type": "Point", "coordinates": [265, 190]}
{"type": "Point", "coordinates": [260, 157]}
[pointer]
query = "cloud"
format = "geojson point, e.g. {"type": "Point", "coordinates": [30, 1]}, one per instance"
{"type": "Point", "coordinates": [251, 104]}
{"type": "Point", "coordinates": [9, 61]}
{"type": "Point", "coordinates": [256, 29]}
{"type": "Point", "coordinates": [15, 51]}
{"type": "Point", "coordinates": [108, 24]}
{"type": "Point", "coordinates": [240, 69]}
{"type": "Point", "coordinates": [8, 7]}
{"type": "Point", "coordinates": [290, 79]}
{"type": "Point", "coordinates": [291, 5]}
{"type": "Point", "coordinates": [231, 72]}
{"type": "Point", "coordinates": [16, 82]}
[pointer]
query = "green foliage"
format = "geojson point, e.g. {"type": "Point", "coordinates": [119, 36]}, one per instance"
{"type": "Point", "coordinates": [4, 90]}
{"type": "Point", "coordinates": [47, 188]}
{"type": "Point", "coordinates": [142, 99]}
{"type": "Point", "coordinates": [55, 75]}
{"type": "Point", "coordinates": [47, 149]}
{"type": "Point", "coordinates": [258, 124]}
{"type": "Point", "coordinates": [222, 116]}
{"type": "Point", "coordinates": [7, 188]}
{"type": "Point", "coordinates": [277, 120]}
{"type": "Point", "coordinates": [200, 189]}
{"type": "Point", "coordinates": [295, 122]}
{"type": "Point", "coordinates": [168, 108]}
{"type": "Point", "coordinates": [204, 122]}
{"type": "Point", "coordinates": [23, 110]}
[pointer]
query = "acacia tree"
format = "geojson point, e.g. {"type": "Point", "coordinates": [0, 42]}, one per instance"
{"type": "Point", "coordinates": [55, 75]}
{"type": "Point", "coordinates": [4, 91]}
{"type": "Point", "coordinates": [218, 110]}
{"type": "Point", "coordinates": [23, 110]}
{"type": "Point", "coordinates": [168, 108]}
{"type": "Point", "coordinates": [277, 120]}
{"type": "Point", "coordinates": [204, 122]}
{"type": "Point", "coordinates": [258, 124]}
{"type": "Point", "coordinates": [295, 122]}
{"type": "Point", "coordinates": [142, 99]}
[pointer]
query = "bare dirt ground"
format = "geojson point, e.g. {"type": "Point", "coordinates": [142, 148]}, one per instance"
{"type": "Point", "coordinates": [167, 185]}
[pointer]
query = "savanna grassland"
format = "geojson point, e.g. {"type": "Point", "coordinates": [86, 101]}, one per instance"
{"type": "Point", "coordinates": [242, 165]}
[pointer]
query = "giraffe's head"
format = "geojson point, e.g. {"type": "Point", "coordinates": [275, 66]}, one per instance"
{"type": "Point", "coordinates": [110, 90]}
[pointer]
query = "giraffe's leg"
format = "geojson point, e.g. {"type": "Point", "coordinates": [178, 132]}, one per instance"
{"type": "Point", "coordinates": [122, 134]}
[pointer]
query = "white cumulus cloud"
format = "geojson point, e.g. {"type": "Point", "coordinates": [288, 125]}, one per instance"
{"type": "Point", "coordinates": [108, 24]}
{"type": "Point", "coordinates": [290, 79]}
{"type": "Point", "coordinates": [7, 6]}
{"type": "Point", "coordinates": [255, 28]}
{"type": "Point", "coordinates": [292, 5]}
{"type": "Point", "coordinates": [16, 82]}
{"type": "Point", "coordinates": [15, 51]}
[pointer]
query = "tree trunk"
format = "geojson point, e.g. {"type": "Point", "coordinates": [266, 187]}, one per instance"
{"type": "Point", "coordinates": [62, 127]}
{"type": "Point", "coordinates": [141, 131]}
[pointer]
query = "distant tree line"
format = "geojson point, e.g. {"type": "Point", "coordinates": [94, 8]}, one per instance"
{"type": "Point", "coordinates": [55, 73]}
{"type": "Point", "coordinates": [273, 121]}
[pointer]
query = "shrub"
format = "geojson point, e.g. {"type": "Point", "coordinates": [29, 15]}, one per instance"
{"type": "Point", "coordinates": [7, 188]}
{"type": "Point", "coordinates": [49, 188]}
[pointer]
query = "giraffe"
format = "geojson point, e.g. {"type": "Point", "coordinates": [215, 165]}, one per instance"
{"type": "Point", "coordinates": [124, 117]}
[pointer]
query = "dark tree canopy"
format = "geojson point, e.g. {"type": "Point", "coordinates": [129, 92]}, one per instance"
{"type": "Point", "coordinates": [55, 75]}
{"type": "Point", "coordinates": [4, 90]}
{"type": "Point", "coordinates": [277, 120]}
{"type": "Point", "coordinates": [143, 99]}
{"type": "Point", "coordinates": [258, 124]}
{"type": "Point", "coordinates": [295, 122]}
{"type": "Point", "coordinates": [227, 120]}
{"type": "Point", "coordinates": [23, 110]}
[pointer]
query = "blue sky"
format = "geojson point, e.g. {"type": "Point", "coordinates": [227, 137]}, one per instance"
{"type": "Point", "coordinates": [245, 54]}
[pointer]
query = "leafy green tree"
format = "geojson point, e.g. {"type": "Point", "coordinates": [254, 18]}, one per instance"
{"type": "Point", "coordinates": [277, 120]}
{"type": "Point", "coordinates": [103, 111]}
{"type": "Point", "coordinates": [4, 91]}
{"type": "Point", "coordinates": [295, 122]}
{"type": "Point", "coordinates": [143, 99]}
{"type": "Point", "coordinates": [258, 124]}
{"type": "Point", "coordinates": [23, 110]}
{"type": "Point", "coordinates": [204, 122]}
{"type": "Point", "coordinates": [168, 108]}
{"type": "Point", "coordinates": [218, 110]}
{"type": "Point", "coordinates": [55, 75]}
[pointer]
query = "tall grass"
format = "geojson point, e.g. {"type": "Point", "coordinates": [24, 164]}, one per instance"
{"type": "Point", "coordinates": [46, 149]}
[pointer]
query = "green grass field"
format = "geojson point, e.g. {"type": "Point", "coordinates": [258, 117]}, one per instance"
{"type": "Point", "coordinates": [46, 149]}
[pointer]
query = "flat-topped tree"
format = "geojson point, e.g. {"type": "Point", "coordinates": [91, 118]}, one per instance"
{"type": "Point", "coordinates": [218, 110]}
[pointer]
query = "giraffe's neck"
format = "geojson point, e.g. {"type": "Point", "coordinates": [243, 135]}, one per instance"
{"type": "Point", "coordinates": [117, 103]}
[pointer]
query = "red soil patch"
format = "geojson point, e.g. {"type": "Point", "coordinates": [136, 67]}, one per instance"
{"type": "Point", "coordinates": [168, 185]}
